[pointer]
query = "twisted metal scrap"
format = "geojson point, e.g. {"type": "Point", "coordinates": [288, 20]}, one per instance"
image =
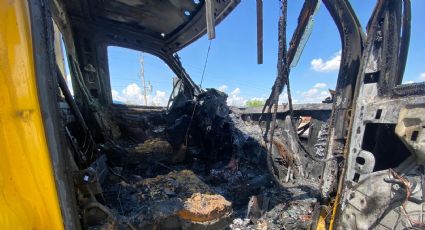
{"type": "Point", "coordinates": [285, 58]}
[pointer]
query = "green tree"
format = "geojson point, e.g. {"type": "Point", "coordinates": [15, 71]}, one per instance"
{"type": "Point", "coordinates": [255, 103]}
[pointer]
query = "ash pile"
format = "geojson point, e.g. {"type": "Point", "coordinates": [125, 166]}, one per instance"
{"type": "Point", "coordinates": [202, 165]}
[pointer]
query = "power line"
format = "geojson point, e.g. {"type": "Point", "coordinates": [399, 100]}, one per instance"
{"type": "Point", "coordinates": [205, 65]}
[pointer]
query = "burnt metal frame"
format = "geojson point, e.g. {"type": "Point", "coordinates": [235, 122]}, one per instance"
{"type": "Point", "coordinates": [352, 39]}
{"type": "Point", "coordinates": [86, 41]}
{"type": "Point", "coordinates": [46, 72]}
{"type": "Point", "coordinates": [352, 46]}
{"type": "Point", "coordinates": [384, 57]}
{"type": "Point", "coordinates": [96, 35]}
{"type": "Point", "coordinates": [390, 63]}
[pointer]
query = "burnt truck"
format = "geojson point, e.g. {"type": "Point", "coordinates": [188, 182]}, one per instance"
{"type": "Point", "coordinates": [74, 159]}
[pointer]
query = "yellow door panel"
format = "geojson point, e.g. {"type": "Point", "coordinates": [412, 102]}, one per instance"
{"type": "Point", "coordinates": [28, 197]}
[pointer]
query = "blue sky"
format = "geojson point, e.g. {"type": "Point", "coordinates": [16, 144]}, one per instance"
{"type": "Point", "coordinates": [232, 63]}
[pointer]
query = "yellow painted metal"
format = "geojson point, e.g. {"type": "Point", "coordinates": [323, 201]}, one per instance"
{"type": "Point", "coordinates": [334, 212]}
{"type": "Point", "coordinates": [28, 197]}
{"type": "Point", "coordinates": [321, 221]}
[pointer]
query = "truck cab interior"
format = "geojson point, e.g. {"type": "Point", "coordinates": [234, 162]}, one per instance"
{"type": "Point", "coordinates": [354, 161]}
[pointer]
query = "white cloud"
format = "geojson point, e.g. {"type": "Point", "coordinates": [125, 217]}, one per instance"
{"type": "Point", "coordinates": [222, 88]}
{"type": "Point", "coordinates": [422, 76]}
{"type": "Point", "coordinates": [408, 82]}
{"type": "Point", "coordinates": [234, 99]}
{"type": "Point", "coordinates": [116, 96]}
{"type": "Point", "coordinates": [329, 65]}
{"type": "Point", "coordinates": [132, 95]}
{"type": "Point", "coordinates": [159, 99]}
{"type": "Point", "coordinates": [310, 93]}
{"type": "Point", "coordinates": [257, 99]}
{"type": "Point", "coordinates": [314, 94]}
{"type": "Point", "coordinates": [236, 91]}
{"type": "Point", "coordinates": [320, 85]}
{"type": "Point", "coordinates": [283, 98]}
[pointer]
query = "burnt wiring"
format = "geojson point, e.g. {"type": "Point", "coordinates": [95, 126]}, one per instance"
{"type": "Point", "coordinates": [200, 86]}
{"type": "Point", "coordinates": [285, 58]}
{"type": "Point", "coordinates": [277, 89]}
{"type": "Point", "coordinates": [205, 64]}
{"type": "Point", "coordinates": [404, 183]}
{"type": "Point", "coordinates": [282, 72]}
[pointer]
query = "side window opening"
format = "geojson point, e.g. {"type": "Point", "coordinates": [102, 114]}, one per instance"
{"type": "Point", "coordinates": [414, 71]}
{"type": "Point", "coordinates": [138, 78]}
{"type": "Point", "coordinates": [61, 56]}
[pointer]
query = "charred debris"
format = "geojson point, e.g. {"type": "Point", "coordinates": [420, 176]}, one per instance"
{"type": "Point", "coordinates": [200, 164]}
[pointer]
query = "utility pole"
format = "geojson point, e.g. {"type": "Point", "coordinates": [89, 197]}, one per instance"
{"type": "Point", "coordinates": [145, 88]}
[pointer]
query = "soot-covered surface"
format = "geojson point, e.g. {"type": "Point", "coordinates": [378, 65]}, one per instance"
{"type": "Point", "coordinates": [200, 167]}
